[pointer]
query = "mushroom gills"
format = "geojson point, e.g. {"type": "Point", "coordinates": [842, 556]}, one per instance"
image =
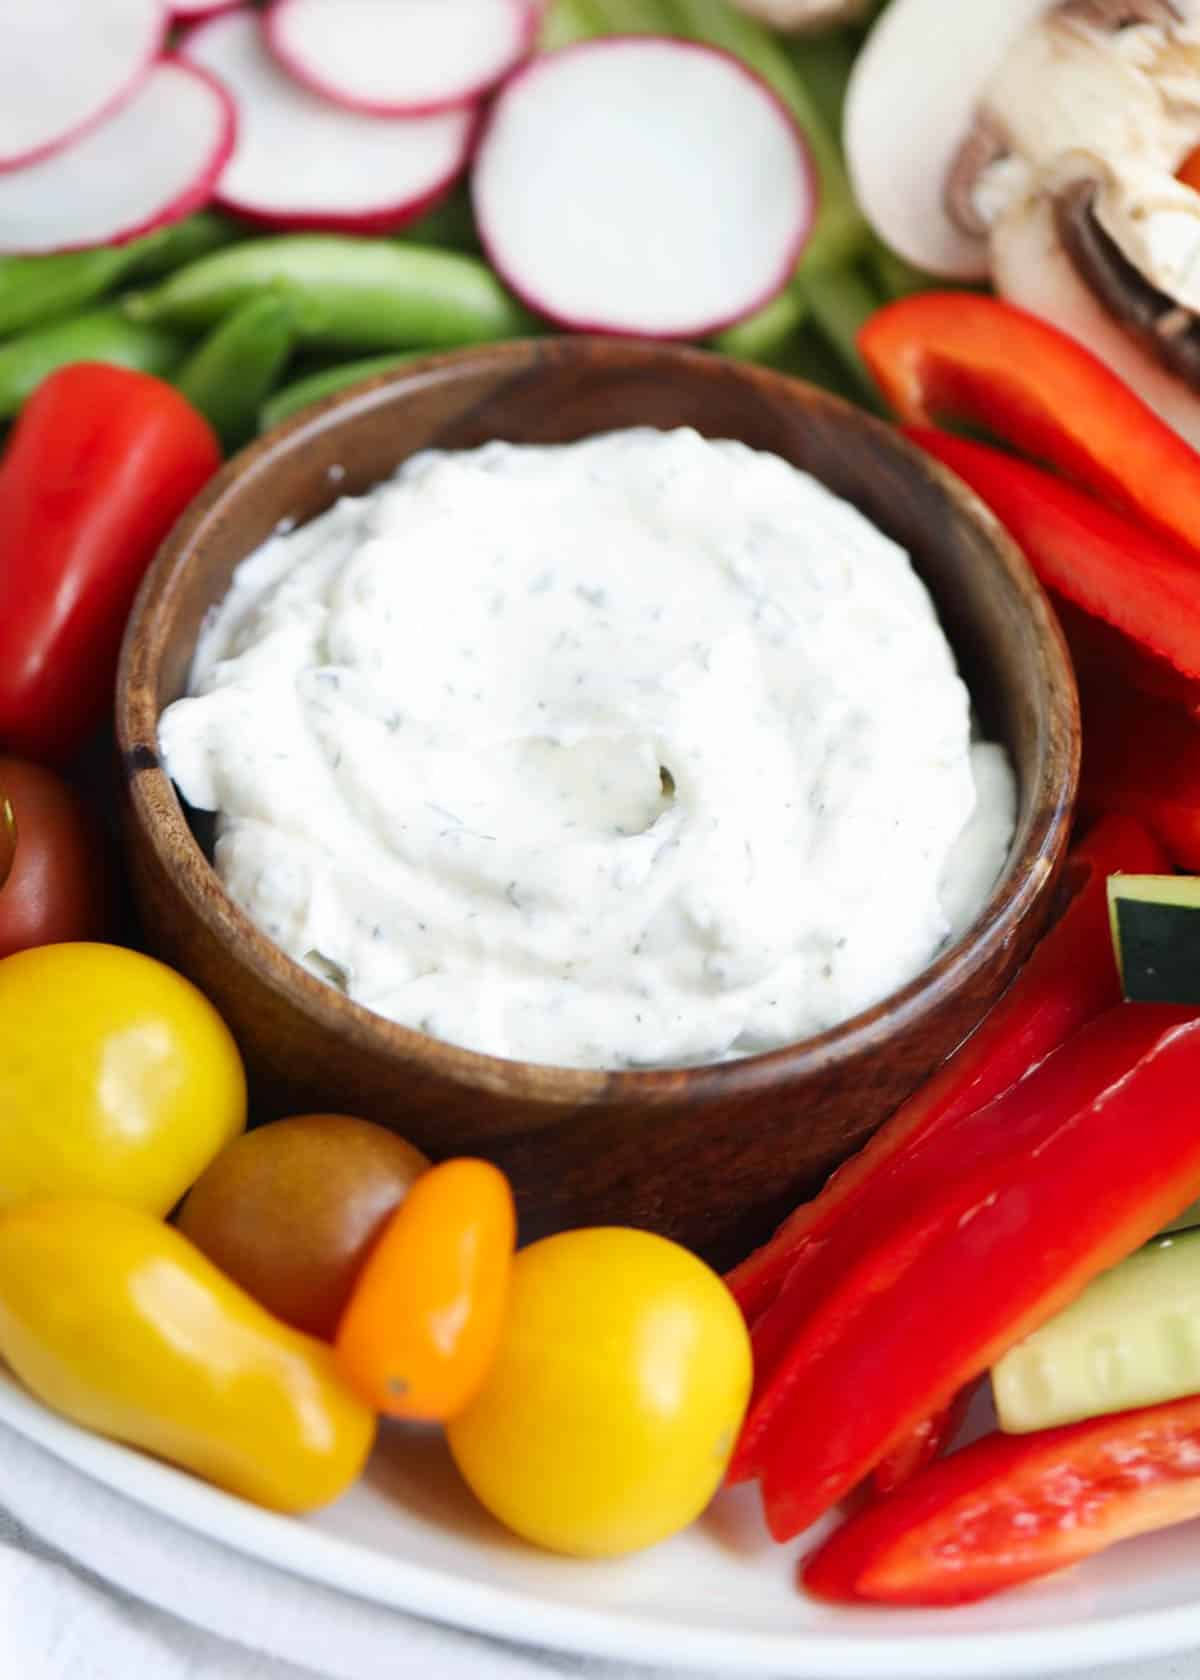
{"type": "Point", "coordinates": [1165, 328]}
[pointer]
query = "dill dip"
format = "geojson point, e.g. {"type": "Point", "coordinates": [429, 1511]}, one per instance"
{"type": "Point", "coordinates": [640, 751]}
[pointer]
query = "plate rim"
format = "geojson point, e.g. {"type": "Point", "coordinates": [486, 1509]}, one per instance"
{"type": "Point", "coordinates": [504, 1612]}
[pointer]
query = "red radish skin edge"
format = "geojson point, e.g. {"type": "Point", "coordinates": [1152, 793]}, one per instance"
{"type": "Point", "coordinates": [700, 329]}
{"type": "Point", "coordinates": [201, 190]}
{"type": "Point", "coordinates": [120, 96]}
{"type": "Point", "coordinates": [389, 219]}
{"type": "Point", "coordinates": [181, 12]}
{"type": "Point", "coordinates": [529, 11]}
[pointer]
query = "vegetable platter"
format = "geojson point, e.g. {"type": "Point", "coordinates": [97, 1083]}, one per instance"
{"type": "Point", "coordinates": [970, 1364]}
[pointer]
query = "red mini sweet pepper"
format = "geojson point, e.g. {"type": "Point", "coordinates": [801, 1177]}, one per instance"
{"type": "Point", "coordinates": [1010, 1508]}
{"type": "Point", "coordinates": [1105, 563]}
{"type": "Point", "coordinates": [102, 462]}
{"type": "Point", "coordinates": [973, 1252]}
{"type": "Point", "coordinates": [975, 359]}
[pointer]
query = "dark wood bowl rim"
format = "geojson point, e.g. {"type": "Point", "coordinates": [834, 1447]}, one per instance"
{"type": "Point", "coordinates": [1033, 858]}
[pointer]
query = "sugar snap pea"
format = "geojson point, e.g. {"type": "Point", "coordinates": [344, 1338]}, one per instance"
{"type": "Point", "coordinates": [314, 387]}
{"type": "Point", "coordinates": [237, 365]}
{"type": "Point", "coordinates": [103, 335]}
{"type": "Point", "coordinates": [349, 294]}
{"type": "Point", "coordinates": [765, 335]}
{"type": "Point", "coordinates": [37, 289]}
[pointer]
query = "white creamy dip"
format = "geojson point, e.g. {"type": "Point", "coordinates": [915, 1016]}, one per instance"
{"type": "Point", "coordinates": [640, 751]}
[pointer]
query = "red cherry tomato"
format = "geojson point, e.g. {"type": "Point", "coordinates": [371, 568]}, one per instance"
{"type": "Point", "coordinates": [56, 888]}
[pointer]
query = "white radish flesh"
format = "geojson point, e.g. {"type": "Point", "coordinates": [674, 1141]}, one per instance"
{"type": "Point", "coordinates": [644, 186]}
{"type": "Point", "coordinates": [153, 161]}
{"type": "Point", "coordinates": [401, 57]}
{"type": "Point", "coordinates": [65, 64]}
{"type": "Point", "coordinates": [300, 162]}
{"type": "Point", "coordinates": [911, 103]}
{"type": "Point", "coordinates": [1032, 269]}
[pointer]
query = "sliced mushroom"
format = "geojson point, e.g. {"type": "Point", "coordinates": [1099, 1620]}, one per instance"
{"type": "Point", "coordinates": [986, 143]}
{"type": "Point", "coordinates": [1169, 332]}
{"type": "Point", "coordinates": [1033, 270]}
{"type": "Point", "coordinates": [1120, 14]}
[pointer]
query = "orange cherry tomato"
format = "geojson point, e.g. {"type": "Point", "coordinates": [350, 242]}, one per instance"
{"type": "Point", "coordinates": [423, 1322]}
{"type": "Point", "coordinates": [1189, 171]}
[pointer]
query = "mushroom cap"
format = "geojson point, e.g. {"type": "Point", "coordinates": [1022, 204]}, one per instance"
{"type": "Point", "coordinates": [911, 103]}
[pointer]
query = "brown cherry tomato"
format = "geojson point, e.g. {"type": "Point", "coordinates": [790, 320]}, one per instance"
{"type": "Point", "coordinates": [423, 1323]}
{"type": "Point", "coordinates": [289, 1210]}
{"type": "Point", "coordinates": [56, 889]}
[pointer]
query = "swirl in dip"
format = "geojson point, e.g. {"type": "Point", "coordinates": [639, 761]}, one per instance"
{"type": "Point", "coordinates": [641, 751]}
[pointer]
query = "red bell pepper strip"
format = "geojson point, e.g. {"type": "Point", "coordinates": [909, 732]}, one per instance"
{"type": "Point", "coordinates": [1103, 1150]}
{"type": "Point", "coordinates": [1097, 650]}
{"type": "Point", "coordinates": [1010, 1508]}
{"type": "Point", "coordinates": [926, 1442]}
{"type": "Point", "coordinates": [102, 462]}
{"type": "Point", "coordinates": [1104, 562]}
{"type": "Point", "coordinates": [1141, 756]}
{"type": "Point", "coordinates": [958, 355]}
{"type": "Point", "coordinates": [1070, 977]}
{"type": "Point", "coordinates": [905, 1208]}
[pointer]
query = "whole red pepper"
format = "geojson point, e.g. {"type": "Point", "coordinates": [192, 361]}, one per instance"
{"type": "Point", "coordinates": [1005, 1219]}
{"type": "Point", "coordinates": [1105, 563]}
{"type": "Point", "coordinates": [101, 463]}
{"type": "Point", "coordinates": [962, 356]}
{"type": "Point", "coordinates": [1012, 1507]}
{"type": "Point", "coordinates": [1070, 977]}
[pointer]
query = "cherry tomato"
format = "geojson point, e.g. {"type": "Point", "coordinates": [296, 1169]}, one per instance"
{"type": "Point", "coordinates": [290, 1210]}
{"type": "Point", "coordinates": [8, 837]}
{"type": "Point", "coordinates": [423, 1322]}
{"type": "Point", "coordinates": [610, 1411]}
{"type": "Point", "coordinates": [57, 886]}
{"type": "Point", "coordinates": [118, 1079]}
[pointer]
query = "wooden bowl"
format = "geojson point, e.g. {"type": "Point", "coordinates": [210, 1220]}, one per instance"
{"type": "Point", "coordinates": [710, 1155]}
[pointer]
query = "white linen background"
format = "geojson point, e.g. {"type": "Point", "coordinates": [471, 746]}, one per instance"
{"type": "Point", "coordinates": [243, 1620]}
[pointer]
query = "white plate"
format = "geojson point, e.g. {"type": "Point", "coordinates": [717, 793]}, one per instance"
{"type": "Point", "coordinates": [719, 1598]}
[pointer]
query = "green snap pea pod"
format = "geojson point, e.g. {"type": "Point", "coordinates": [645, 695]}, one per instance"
{"type": "Point", "coordinates": [162, 252]}
{"type": "Point", "coordinates": [348, 294]}
{"type": "Point", "coordinates": [104, 335]}
{"type": "Point", "coordinates": [764, 336]}
{"type": "Point", "coordinates": [567, 21]}
{"type": "Point", "coordinates": [236, 367]}
{"type": "Point", "coordinates": [630, 17]}
{"type": "Point", "coordinates": [314, 387]}
{"type": "Point", "coordinates": [450, 225]}
{"type": "Point", "coordinates": [841, 304]}
{"type": "Point", "coordinates": [38, 289]}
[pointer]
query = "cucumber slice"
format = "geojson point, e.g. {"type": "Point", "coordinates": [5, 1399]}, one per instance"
{"type": "Point", "coordinates": [1156, 936]}
{"type": "Point", "coordinates": [1131, 1339]}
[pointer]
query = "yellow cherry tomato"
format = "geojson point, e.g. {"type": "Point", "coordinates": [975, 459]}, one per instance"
{"type": "Point", "coordinates": [117, 1321]}
{"type": "Point", "coordinates": [117, 1078]}
{"type": "Point", "coordinates": [610, 1411]}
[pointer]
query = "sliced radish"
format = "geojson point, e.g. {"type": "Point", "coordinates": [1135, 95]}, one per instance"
{"type": "Point", "coordinates": [910, 106]}
{"type": "Point", "coordinates": [191, 11]}
{"type": "Point", "coordinates": [300, 162]}
{"type": "Point", "coordinates": [642, 185]}
{"type": "Point", "coordinates": [65, 64]}
{"type": "Point", "coordinates": [155, 160]}
{"type": "Point", "coordinates": [1032, 269]}
{"type": "Point", "coordinates": [401, 57]}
